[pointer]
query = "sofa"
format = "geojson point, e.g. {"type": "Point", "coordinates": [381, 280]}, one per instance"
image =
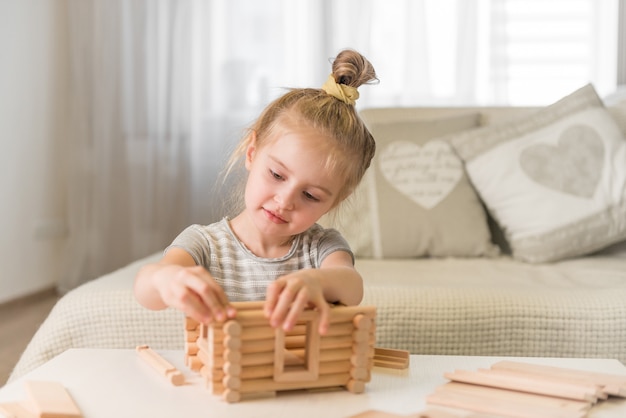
{"type": "Point", "coordinates": [497, 231]}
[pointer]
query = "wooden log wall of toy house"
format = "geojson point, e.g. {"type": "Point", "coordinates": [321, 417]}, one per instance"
{"type": "Point", "coordinates": [245, 357]}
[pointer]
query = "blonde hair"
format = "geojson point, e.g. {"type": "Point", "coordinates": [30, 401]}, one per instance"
{"type": "Point", "coordinates": [352, 144]}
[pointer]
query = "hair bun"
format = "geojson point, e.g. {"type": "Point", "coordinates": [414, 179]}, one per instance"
{"type": "Point", "coordinates": [353, 69]}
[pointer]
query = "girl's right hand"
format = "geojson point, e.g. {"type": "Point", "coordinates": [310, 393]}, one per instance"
{"type": "Point", "coordinates": [176, 281]}
{"type": "Point", "coordinates": [195, 292]}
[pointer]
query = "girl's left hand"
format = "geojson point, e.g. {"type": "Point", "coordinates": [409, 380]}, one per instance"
{"type": "Point", "coordinates": [289, 295]}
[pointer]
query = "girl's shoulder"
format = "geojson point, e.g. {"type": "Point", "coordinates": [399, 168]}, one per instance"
{"type": "Point", "coordinates": [216, 230]}
{"type": "Point", "coordinates": [319, 232]}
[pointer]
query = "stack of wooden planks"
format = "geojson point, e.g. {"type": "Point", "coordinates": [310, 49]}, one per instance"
{"type": "Point", "coordinates": [521, 390]}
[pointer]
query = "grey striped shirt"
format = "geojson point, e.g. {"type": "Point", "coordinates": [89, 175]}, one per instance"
{"type": "Point", "coordinates": [243, 275]}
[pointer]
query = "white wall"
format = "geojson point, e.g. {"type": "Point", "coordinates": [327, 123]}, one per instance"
{"type": "Point", "coordinates": [33, 122]}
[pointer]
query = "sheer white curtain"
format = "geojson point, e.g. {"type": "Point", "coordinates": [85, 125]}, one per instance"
{"type": "Point", "coordinates": [163, 89]}
{"type": "Point", "coordinates": [128, 163]}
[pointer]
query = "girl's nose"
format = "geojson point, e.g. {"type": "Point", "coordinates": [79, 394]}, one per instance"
{"type": "Point", "coordinates": [285, 199]}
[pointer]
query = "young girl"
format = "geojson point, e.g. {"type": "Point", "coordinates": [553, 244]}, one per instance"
{"type": "Point", "coordinates": [304, 155]}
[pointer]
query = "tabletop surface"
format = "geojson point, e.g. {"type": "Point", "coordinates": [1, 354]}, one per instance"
{"type": "Point", "coordinates": [118, 383]}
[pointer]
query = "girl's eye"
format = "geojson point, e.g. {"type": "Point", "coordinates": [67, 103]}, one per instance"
{"type": "Point", "coordinates": [276, 175]}
{"type": "Point", "coordinates": [309, 196]}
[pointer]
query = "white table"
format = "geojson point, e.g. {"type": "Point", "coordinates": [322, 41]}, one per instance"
{"type": "Point", "coordinates": [117, 383]}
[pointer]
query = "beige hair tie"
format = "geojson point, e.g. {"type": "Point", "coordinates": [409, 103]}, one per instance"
{"type": "Point", "coordinates": [346, 94]}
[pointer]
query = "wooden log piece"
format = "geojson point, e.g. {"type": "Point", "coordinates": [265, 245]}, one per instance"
{"type": "Point", "coordinates": [256, 346]}
{"type": "Point", "coordinates": [194, 363]}
{"type": "Point", "coordinates": [361, 336]}
{"type": "Point", "coordinates": [232, 343]}
{"type": "Point", "coordinates": [391, 358]}
{"type": "Point", "coordinates": [499, 407]}
{"type": "Point", "coordinates": [191, 324]}
{"type": "Point", "coordinates": [359, 373]}
{"type": "Point", "coordinates": [161, 365]}
{"type": "Point", "coordinates": [205, 358]}
{"type": "Point", "coordinates": [612, 384]}
{"type": "Point", "coordinates": [51, 400]}
{"type": "Point", "coordinates": [17, 410]}
{"type": "Point", "coordinates": [231, 382]}
{"type": "Point", "coordinates": [232, 356]}
{"type": "Point", "coordinates": [191, 335]}
{"type": "Point", "coordinates": [191, 348]}
{"type": "Point", "coordinates": [256, 359]}
{"type": "Point", "coordinates": [355, 386]}
{"type": "Point", "coordinates": [591, 386]}
{"type": "Point", "coordinates": [203, 331]}
{"type": "Point", "coordinates": [347, 313]}
{"type": "Point", "coordinates": [232, 328]}
{"type": "Point", "coordinates": [262, 385]}
{"type": "Point", "coordinates": [267, 370]}
{"type": "Point", "coordinates": [232, 369]}
{"type": "Point", "coordinates": [519, 383]}
{"type": "Point", "coordinates": [249, 305]}
{"type": "Point", "coordinates": [362, 322]}
{"type": "Point", "coordinates": [253, 333]}
{"type": "Point", "coordinates": [231, 396]}
{"type": "Point", "coordinates": [488, 393]}
{"type": "Point", "coordinates": [202, 344]}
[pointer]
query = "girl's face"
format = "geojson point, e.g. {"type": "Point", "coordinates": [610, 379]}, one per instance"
{"type": "Point", "coordinates": [288, 187]}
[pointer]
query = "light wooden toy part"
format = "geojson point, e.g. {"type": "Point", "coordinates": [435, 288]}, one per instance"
{"type": "Point", "coordinates": [245, 357]}
{"type": "Point", "coordinates": [17, 410]}
{"type": "Point", "coordinates": [430, 413]}
{"type": "Point", "coordinates": [521, 390]}
{"type": "Point", "coordinates": [393, 359]}
{"type": "Point", "coordinates": [51, 400]}
{"type": "Point", "coordinates": [161, 365]}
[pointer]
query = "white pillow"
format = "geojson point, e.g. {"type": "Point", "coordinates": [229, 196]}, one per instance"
{"type": "Point", "coordinates": [416, 199]}
{"type": "Point", "coordinates": [555, 181]}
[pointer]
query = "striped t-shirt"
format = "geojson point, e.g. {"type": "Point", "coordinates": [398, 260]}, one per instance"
{"type": "Point", "coordinates": [245, 276]}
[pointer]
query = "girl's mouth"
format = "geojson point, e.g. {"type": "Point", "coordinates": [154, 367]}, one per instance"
{"type": "Point", "coordinates": [273, 217]}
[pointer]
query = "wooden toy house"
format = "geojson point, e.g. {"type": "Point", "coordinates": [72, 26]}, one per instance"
{"type": "Point", "coordinates": [246, 357]}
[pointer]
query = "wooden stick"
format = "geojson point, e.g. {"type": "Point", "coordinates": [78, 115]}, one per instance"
{"type": "Point", "coordinates": [592, 387]}
{"type": "Point", "coordinates": [267, 370]}
{"type": "Point", "coordinates": [504, 407]}
{"type": "Point", "coordinates": [430, 413]}
{"type": "Point", "coordinates": [257, 346]}
{"type": "Point", "coordinates": [347, 313]}
{"type": "Point", "coordinates": [16, 410]}
{"type": "Point", "coordinates": [161, 365]}
{"type": "Point", "coordinates": [262, 331]}
{"type": "Point", "coordinates": [51, 400]}
{"type": "Point", "coordinates": [611, 383]}
{"type": "Point", "coordinates": [525, 384]}
{"type": "Point", "coordinates": [340, 341]}
{"type": "Point", "coordinates": [488, 393]}
{"type": "Point", "coordinates": [261, 385]}
{"type": "Point", "coordinates": [257, 333]}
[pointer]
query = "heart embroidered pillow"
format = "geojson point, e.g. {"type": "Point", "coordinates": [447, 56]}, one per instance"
{"type": "Point", "coordinates": [555, 181]}
{"type": "Point", "coordinates": [416, 200]}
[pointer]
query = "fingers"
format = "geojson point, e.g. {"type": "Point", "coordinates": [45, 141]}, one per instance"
{"type": "Point", "coordinates": [286, 298]}
{"type": "Point", "coordinates": [193, 291]}
{"type": "Point", "coordinates": [271, 296]}
{"type": "Point", "coordinates": [210, 294]}
{"type": "Point", "coordinates": [324, 310]}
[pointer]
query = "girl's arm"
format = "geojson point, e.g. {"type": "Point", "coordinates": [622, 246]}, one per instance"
{"type": "Point", "coordinates": [176, 281]}
{"type": "Point", "coordinates": [336, 281]}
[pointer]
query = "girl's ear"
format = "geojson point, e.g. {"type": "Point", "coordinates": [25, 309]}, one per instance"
{"type": "Point", "coordinates": [250, 149]}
